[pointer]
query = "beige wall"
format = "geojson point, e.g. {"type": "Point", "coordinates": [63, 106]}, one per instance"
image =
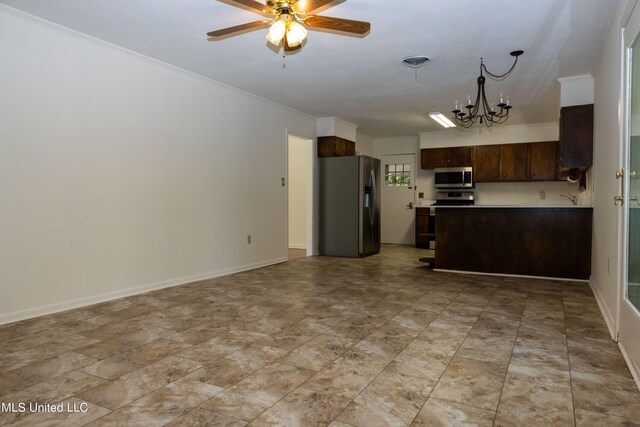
{"type": "Point", "coordinates": [364, 144]}
{"type": "Point", "coordinates": [300, 190]}
{"type": "Point", "coordinates": [121, 174]}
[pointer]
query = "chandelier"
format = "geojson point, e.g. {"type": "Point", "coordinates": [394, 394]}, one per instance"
{"type": "Point", "coordinates": [481, 111]}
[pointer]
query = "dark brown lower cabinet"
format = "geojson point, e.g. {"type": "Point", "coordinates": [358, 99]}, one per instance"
{"type": "Point", "coordinates": [423, 227]}
{"type": "Point", "coordinates": [546, 242]}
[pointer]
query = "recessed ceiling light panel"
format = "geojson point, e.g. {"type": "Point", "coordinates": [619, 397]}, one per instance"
{"type": "Point", "coordinates": [441, 119]}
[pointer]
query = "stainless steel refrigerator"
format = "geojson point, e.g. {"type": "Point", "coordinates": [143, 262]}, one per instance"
{"type": "Point", "coordinates": [349, 206]}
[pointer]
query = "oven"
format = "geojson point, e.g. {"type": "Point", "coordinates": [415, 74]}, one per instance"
{"type": "Point", "coordinates": [455, 198]}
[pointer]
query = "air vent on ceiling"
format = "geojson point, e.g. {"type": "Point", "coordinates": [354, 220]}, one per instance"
{"type": "Point", "coordinates": [415, 61]}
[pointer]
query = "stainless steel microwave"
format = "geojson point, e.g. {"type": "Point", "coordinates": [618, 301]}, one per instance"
{"type": "Point", "coordinates": [454, 177]}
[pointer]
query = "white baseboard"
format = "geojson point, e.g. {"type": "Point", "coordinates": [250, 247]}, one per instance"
{"type": "Point", "coordinates": [293, 246]}
{"type": "Point", "coordinates": [633, 366]}
{"type": "Point", "coordinates": [109, 296]}
{"type": "Point", "coordinates": [609, 318]}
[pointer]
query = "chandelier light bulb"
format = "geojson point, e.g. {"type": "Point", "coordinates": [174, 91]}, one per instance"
{"type": "Point", "coordinates": [276, 32]}
{"type": "Point", "coordinates": [296, 34]}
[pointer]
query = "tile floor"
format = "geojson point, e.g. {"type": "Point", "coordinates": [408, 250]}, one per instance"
{"type": "Point", "coordinates": [380, 341]}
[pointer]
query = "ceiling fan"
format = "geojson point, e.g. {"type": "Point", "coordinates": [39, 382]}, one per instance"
{"type": "Point", "coordinates": [288, 20]}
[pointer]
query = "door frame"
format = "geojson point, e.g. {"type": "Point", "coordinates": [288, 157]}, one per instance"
{"type": "Point", "coordinates": [414, 172]}
{"type": "Point", "coordinates": [312, 195]}
{"type": "Point", "coordinates": [625, 310]}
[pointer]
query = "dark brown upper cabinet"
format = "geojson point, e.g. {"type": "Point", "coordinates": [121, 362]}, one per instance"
{"type": "Point", "coordinates": [487, 163]}
{"type": "Point", "coordinates": [529, 161]}
{"type": "Point", "coordinates": [575, 150]}
{"type": "Point", "coordinates": [334, 146]}
{"type": "Point", "coordinates": [448, 157]}
{"type": "Point", "coordinates": [501, 163]}
{"type": "Point", "coordinates": [542, 161]}
{"type": "Point", "coordinates": [506, 162]}
{"type": "Point", "coordinates": [513, 162]}
{"type": "Point", "coordinates": [431, 158]}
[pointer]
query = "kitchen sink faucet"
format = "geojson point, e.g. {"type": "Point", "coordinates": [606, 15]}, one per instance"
{"type": "Point", "coordinates": [573, 199]}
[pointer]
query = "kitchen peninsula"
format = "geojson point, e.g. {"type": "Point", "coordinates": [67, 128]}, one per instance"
{"type": "Point", "coordinates": [544, 241]}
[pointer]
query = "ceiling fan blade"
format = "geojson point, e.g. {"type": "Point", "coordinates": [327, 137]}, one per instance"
{"type": "Point", "coordinates": [338, 24]}
{"type": "Point", "coordinates": [238, 28]}
{"type": "Point", "coordinates": [250, 5]}
{"type": "Point", "coordinates": [310, 6]}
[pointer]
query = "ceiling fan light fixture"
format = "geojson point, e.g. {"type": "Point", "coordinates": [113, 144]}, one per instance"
{"type": "Point", "coordinates": [289, 21]}
{"type": "Point", "coordinates": [276, 32]}
{"type": "Point", "coordinates": [296, 34]}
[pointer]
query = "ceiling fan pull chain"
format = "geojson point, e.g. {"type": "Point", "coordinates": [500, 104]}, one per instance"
{"type": "Point", "coordinates": [284, 57]}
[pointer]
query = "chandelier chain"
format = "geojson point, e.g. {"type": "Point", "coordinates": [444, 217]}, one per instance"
{"type": "Point", "coordinates": [497, 77]}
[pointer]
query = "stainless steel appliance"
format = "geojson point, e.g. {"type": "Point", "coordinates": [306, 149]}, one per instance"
{"type": "Point", "coordinates": [455, 198]}
{"type": "Point", "coordinates": [349, 206]}
{"type": "Point", "coordinates": [454, 177]}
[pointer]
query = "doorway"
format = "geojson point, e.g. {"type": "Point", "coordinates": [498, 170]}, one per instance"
{"type": "Point", "coordinates": [629, 311]}
{"type": "Point", "coordinates": [300, 197]}
{"type": "Point", "coordinates": [397, 199]}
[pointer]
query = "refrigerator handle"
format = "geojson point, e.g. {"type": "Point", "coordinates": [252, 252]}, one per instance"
{"type": "Point", "coordinates": [372, 205]}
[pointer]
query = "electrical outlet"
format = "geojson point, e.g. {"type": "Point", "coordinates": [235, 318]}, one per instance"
{"type": "Point", "coordinates": [543, 195]}
{"type": "Point", "coordinates": [249, 239]}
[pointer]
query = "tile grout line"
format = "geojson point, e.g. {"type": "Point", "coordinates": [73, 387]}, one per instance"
{"type": "Point", "coordinates": [566, 336]}
{"type": "Point", "coordinates": [391, 361]}
{"type": "Point", "coordinates": [454, 354]}
{"type": "Point", "coordinates": [316, 372]}
{"type": "Point", "coordinates": [495, 415]}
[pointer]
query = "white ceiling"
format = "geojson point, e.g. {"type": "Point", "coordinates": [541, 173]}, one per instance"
{"type": "Point", "coordinates": [362, 80]}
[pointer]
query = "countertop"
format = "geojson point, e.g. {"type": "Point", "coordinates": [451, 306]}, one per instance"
{"type": "Point", "coordinates": [525, 206]}
{"type": "Point", "coordinates": [541, 204]}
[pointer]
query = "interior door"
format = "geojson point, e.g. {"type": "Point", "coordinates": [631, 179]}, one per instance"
{"type": "Point", "coordinates": [630, 299]}
{"type": "Point", "coordinates": [397, 199]}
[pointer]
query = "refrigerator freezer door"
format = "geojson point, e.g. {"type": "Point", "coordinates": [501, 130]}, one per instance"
{"type": "Point", "coordinates": [349, 206]}
{"type": "Point", "coordinates": [339, 206]}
